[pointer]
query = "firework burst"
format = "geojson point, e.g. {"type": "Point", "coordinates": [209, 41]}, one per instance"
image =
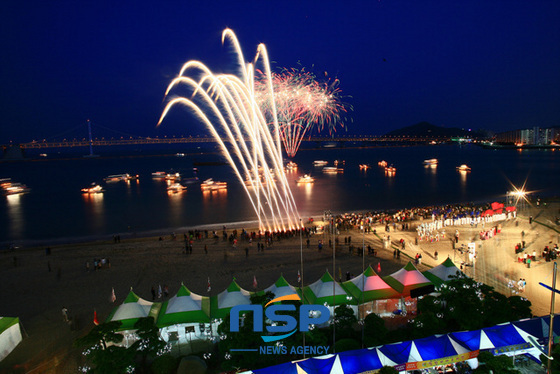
{"type": "Point", "coordinates": [301, 104]}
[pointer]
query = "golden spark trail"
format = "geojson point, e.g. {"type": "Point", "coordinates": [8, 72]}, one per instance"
{"type": "Point", "coordinates": [226, 104]}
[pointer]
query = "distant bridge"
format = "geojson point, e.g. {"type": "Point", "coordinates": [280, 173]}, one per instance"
{"type": "Point", "coordinates": [68, 143]}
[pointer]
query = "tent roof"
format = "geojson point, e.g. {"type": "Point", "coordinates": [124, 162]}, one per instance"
{"type": "Point", "coordinates": [441, 273]}
{"type": "Point", "coordinates": [321, 292]}
{"type": "Point", "coordinates": [132, 309]}
{"type": "Point", "coordinates": [184, 307]}
{"type": "Point", "coordinates": [281, 288]}
{"type": "Point", "coordinates": [7, 322]}
{"type": "Point", "coordinates": [221, 304]}
{"type": "Point", "coordinates": [406, 279]}
{"type": "Point", "coordinates": [369, 286]}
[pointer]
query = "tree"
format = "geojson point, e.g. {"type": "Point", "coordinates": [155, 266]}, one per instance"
{"type": "Point", "coordinates": [344, 320]}
{"type": "Point", "coordinates": [149, 344]}
{"type": "Point", "coordinates": [495, 364]}
{"type": "Point", "coordinates": [375, 332]}
{"type": "Point", "coordinates": [101, 356]}
{"type": "Point", "coordinates": [387, 370]}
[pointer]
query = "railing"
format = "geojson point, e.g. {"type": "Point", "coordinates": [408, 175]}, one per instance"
{"type": "Point", "coordinates": [177, 140]}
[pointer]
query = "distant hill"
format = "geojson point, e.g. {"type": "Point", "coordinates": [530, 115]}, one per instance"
{"type": "Point", "coordinates": [427, 129]}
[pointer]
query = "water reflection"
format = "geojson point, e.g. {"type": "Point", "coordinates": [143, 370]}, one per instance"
{"type": "Point", "coordinates": [95, 208]}
{"type": "Point", "coordinates": [176, 203]}
{"type": "Point", "coordinates": [15, 213]}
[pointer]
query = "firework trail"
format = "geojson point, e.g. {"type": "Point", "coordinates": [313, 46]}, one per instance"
{"type": "Point", "coordinates": [226, 105]}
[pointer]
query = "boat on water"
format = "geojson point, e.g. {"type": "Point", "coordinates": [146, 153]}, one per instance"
{"type": "Point", "coordinates": [12, 188]}
{"type": "Point", "coordinates": [332, 170]}
{"type": "Point", "coordinates": [176, 188]}
{"type": "Point", "coordinates": [305, 179]}
{"type": "Point", "coordinates": [159, 175]}
{"type": "Point", "coordinates": [431, 161]}
{"type": "Point", "coordinates": [382, 163]}
{"type": "Point", "coordinates": [390, 169]}
{"type": "Point", "coordinates": [364, 166]}
{"type": "Point", "coordinates": [320, 163]}
{"type": "Point", "coordinates": [119, 178]}
{"type": "Point", "coordinates": [173, 177]}
{"type": "Point", "coordinates": [212, 185]}
{"type": "Point", "coordinates": [94, 188]}
{"type": "Point", "coordinates": [291, 165]}
{"type": "Point", "coordinates": [463, 167]}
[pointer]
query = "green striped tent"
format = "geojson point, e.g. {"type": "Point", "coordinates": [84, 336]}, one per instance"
{"type": "Point", "coordinates": [441, 273]}
{"type": "Point", "coordinates": [406, 279]}
{"type": "Point", "coordinates": [321, 292]}
{"type": "Point", "coordinates": [221, 304]}
{"type": "Point", "coordinates": [10, 335]}
{"type": "Point", "coordinates": [369, 286]}
{"type": "Point", "coordinates": [132, 309]}
{"type": "Point", "coordinates": [184, 307]}
{"type": "Point", "coordinates": [281, 288]}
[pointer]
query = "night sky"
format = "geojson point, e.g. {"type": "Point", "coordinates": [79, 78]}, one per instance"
{"type": "Point", "coordinates": [469, 64]}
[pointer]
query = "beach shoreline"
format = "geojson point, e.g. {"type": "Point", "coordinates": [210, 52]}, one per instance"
{"type": "Point", "coordinates": [37, 285]}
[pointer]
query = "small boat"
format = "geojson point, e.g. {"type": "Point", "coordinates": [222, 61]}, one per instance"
{"type": "Point", "coordinates": [176, 188]}
{"type": "Point", "coordinates": [159, 175]}
{"type": "Point", "coordinates": [364, 166]}
{"type": "Point", "coordinates": [12, 188]}
{"type": "Point", "coordinates": [320, 163]}
{"type": "Point", "coordinates": [211, 185]}
{"type": "Point", "coordinates": [463, 168]}
{"type": "Point", "coordinates": [336, 162]}
{"type": "Point", "coordinates": [390, 169]}
{"type": "Point", "coordinates": [119, 177]}
{"type": "Point", "coordinates": [180, 155]}
{"type": "Point", "coordinates": [173, 177]}
{"type": "Point", "coordinates": [95, 188]}
{"type": "Point", "coordinates": [332, 170]}
{"type": "Point", "coordinates": [382, 163]}
{"type": "Point", "coordinates": [291, 165]}
{"type": "Point", "coordinates": [305, 179]}
{"type": "Point", "coordinates": [42, 155]}
{"type": "Point", "coordinates": [431, 161]}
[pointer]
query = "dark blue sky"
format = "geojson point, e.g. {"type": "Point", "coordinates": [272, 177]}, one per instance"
{"type": "Point", "coordinates": [471, 64]}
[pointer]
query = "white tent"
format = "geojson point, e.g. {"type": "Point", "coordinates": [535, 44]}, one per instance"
{"type": "Point", "coordinates": [10, 335]}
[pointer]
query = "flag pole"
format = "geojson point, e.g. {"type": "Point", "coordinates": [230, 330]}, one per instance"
{"type": "Point", "coordinates": [550, 328]}
{"type": "Point", "coordinates": [301, 276]}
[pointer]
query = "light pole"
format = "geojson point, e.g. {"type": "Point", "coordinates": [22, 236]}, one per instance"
{"type": "Point", "coordinates": [334, 282]}
{"type": "Point", "coordinates": [550, 329]}
{"type": "Point", "coordinates": [363, 278]}
{"type": "Point", "coordinates": [301, 276]}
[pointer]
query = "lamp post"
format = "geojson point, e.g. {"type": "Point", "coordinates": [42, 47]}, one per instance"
{"type": "Point", "coordinates": [301, 275]}
{"type": "Point", "coordinates": [550, 327]}
{"type": "Point", "coordinates": [363, 278]}
{"type": "Point", "coordinates": [334, 281]}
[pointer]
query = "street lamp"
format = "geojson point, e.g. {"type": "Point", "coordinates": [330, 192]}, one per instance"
{"type": "Point", "coordinates": [363, 277]}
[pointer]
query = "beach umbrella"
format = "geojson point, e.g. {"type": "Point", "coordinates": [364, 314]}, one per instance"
{"type": "Point", "coordinates": [321, 292]}
{"type": "Point", "coordinates": [10, 335]}
{"type": "Point", "coordinates": [184, 307]}
{"type": "Point", "coordinates": [441, 273]}
{"type": "Point", "coordinates": [132, 309]}
{"type": "Point", "coordinates": [407, 279]}
{"type": "Point", "coordinates": [369, 286]}
{"type": "Point", "coordinates": [221, 304]}
{"type": "Point", "coordinates": [281, 288]}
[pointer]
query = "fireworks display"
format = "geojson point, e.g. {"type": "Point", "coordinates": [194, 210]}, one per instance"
{"type": "Point", "coordinates": [226, 104]}
{"type": "Point", "coordinates": [301, 104]}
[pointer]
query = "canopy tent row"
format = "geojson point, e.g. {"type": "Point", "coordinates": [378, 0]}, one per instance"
{"type": "Point", "coordinates": [188, 316]}
{"type": "Point", "coordinates": [10, 335]}
{"type": "Point", "coordinates": [508, 338]}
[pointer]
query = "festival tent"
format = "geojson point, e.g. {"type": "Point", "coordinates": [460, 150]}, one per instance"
{"type": "Point", "coordinates": [281, 288]}
{"type": "Point", "coordinates": [184, 317]}
{"type": "Point", "coordinates": [369, 286]}
{"type": "Point", "coordinates": [184, 307]}
{"type": "Point", "coordinates": [441, 273]}
{"type": "Point", "coordinates": [407, 279]}
{"type": "Point", "coordinates": [321, 292]}
{"type": "Point", "coordinates": [221, 304]}
{"type": "Point", "coordinates": [132, 309]}
{"type": "Point", "coordinates": [10, 335]}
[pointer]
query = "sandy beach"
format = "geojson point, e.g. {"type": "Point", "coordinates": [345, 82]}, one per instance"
{"type": "Point", "coordinates": [36, 286]}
